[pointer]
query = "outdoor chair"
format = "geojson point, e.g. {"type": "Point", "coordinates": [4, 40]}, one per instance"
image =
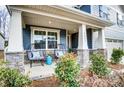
{"type": "Point", "coordinates": [36, 56]}
{"type": "Point", "coordinates": [60, 52]}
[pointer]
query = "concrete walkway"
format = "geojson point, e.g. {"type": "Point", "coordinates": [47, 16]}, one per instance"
{"type": "Point", "coordinates": [38, 71]}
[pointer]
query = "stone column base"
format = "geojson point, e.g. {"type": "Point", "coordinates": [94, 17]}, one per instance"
{"type": "Point", "coordinates": [103, 51]}
{"type": "Point", "coordinates": [16, 60]}
{"type": "Point", "coordinates": [83, 58]}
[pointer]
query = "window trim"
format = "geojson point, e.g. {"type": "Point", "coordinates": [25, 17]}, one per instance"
{"type": "Point", "coordinates": [46, 30]}
{"type": "Point", "coordinates": [102, 11]}
{"type": "Point", "coordinates": [119, 20]}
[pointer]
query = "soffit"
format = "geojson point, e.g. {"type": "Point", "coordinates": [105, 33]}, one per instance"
{"type": "Point", "coordinates": [38, 20]}
{"type": "Point", "coordinates": [57, 10]}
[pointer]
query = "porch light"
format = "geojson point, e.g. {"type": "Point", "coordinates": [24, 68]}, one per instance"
{"type": "Point", "coordinates": [50, 22]}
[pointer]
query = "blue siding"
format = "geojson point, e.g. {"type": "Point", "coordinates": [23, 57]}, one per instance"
{"type": "Point", "coordinates": [86, 8]}
{"type": "Point", "coordinates": [27, 38]}
{"type": "Point", "coordinates": [63, 37]}
{"type": "Point", "coordinates": [89, 38]}
{"type": "Point", "coordinates": [74, 41]}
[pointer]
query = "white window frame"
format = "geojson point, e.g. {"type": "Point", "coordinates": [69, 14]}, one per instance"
{"type": "Point", "coordinates": [33, 29]}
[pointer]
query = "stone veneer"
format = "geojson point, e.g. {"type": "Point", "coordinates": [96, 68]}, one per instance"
{"type": "Point", "coordinates": [102, 51]}
{"type": "Point", "coordinates": [16, 60]}
{"type": "Point", "coordinates": [84, 55]}
{"type": "Point", "coordinates": [83, 58]}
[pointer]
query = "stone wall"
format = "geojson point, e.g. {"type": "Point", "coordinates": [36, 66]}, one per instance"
{"type": "Point", "coordinates": [16, 60]}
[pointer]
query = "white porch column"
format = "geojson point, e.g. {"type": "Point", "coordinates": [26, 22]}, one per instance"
{"type": "Point", "coordinates": [94, 39]}
{"type": "Point", "coordinates": [101, 39]}
{"type": "Point", "coordinates": [69, 37]}
{"type": "Point", "coordinates": [123, 45]}
{"type": "Point", "coordinates": [101, 45]}
{"type": "Point", "coordinates": [82, 37]}
{"type": "Point", "coordinates": [83, 53]}
{"type": "Point", "coordinates": [123, 49]}
{"type": "Point", "coordinates": [15, 33]}
{"type": "Point", "coordinates": [14, 53]}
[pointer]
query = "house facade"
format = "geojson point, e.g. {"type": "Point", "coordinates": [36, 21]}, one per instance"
{"type": "Point", "coordinates": [82, 27]}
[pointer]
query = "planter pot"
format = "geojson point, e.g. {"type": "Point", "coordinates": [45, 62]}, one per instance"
{"type": "Point", "coordinates": [49, 60]}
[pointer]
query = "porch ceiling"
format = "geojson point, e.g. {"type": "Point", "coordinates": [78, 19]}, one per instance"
{"type": "Point", "coordinates": [62, 12]}
{"type": "Point", "coordinates": [38, 20]}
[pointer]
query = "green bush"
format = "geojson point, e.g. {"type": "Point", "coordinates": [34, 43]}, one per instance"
{"type": "Point", "coordinates": [117, 55]}
{"type": "Point", "coordinates": [67, 71]}
{"type": "Point", "coordinates": [70, 50]}
{"type": "Point", "coordinates": [98, 66]}
{"type": "Point", "coordinates": [12, 77]}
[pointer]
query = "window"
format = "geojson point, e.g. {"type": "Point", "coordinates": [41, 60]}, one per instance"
{"type": "Point", "coordinates": [114, 40]}
{"type": "Point", "coordinates": [45, 39]}
{"type": "Point", "coordinates": [39, 39]}
{"type": "Point", "coordinates": [52, 40]}
{"type": "Point", "coordinates": [120, 19]}
{"type": "Point", "coordinates": [109, 40]}
{"type": "Point", "coordinates": [104, 12]}
{"type": "Point", "coordinates": [85, 8]}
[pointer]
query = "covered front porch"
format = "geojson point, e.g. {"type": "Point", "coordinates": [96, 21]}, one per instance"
{"type": "Point", "coordinates": [44, 28]}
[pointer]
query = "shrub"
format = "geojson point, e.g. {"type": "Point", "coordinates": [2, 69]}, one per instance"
{"type": "Point", "coordinates": [2, 63]}
{"type": "Point", "coordinates": [12, 77]}
{"type": "Point", "coordinates": [70, 50]}
{"type": "Point", "coordinates": [98, 66]}
{"type": "Point", "coordinates": [117, 55]}
{"type": "Point", "coordinates": [67, 70]}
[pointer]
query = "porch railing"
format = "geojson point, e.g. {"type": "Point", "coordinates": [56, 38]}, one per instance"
{"type": "Point", "coordinates": [52, 52]}
{"type": "Point", "coordinates": [44, 53]}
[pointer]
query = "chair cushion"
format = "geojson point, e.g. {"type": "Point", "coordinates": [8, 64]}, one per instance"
{"type": "Point", "coordinates": [36, 55]}
{"type": "Point", "coordinates": [59, 53]}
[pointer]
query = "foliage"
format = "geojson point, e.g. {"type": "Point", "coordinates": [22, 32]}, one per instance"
{"type": "Point", "coordinates": [70, 50]}
{"type": "Point", "coordinates": [98, 66]}
{"type": "Point", "coordinates": [117, 55]}
{"type": "Point", "coordinates": [2, 63]}
{"type": "Point", "coordinates": [67, 70]}
{"type": "Point", "coordinates": [12, 77]}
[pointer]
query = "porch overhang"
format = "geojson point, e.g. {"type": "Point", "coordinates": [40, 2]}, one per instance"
{"type": "Point", "coordinates": [88, 16]}
{"type": "Point", "coordinates": [64, 13]}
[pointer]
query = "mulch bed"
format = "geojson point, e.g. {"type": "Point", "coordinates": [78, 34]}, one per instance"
{"type": "Point", "coordinates": [87, 79]}
{"type": "Point", "coordinates": [116, 66]}
{"type": "Point", "coordinates": [53, 81]}
{"type": "Point", "coordinates": [47, 82]}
